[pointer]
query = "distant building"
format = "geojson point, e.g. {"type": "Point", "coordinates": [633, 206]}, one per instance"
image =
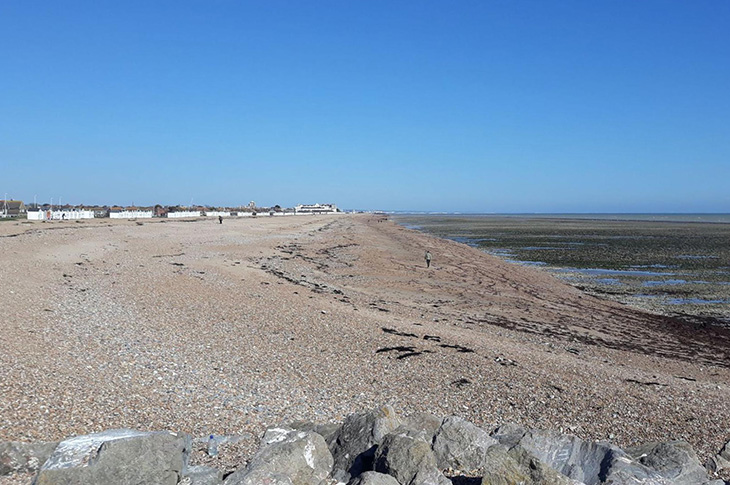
{"type": "Point", "coordinates": [217, 213]}
{"type": "Point", "coordinates": [182, 214]}
{"type": "Point", "coordinates": [130, 213]}
{"type": "Point", "coordinates": [60, 215]}
{"type": "Point", "coordinates": [12, 208]}
{"type": "Point", "coordinates": [316, 209]}
{"type": "Point", "coordinates": [98, 210]}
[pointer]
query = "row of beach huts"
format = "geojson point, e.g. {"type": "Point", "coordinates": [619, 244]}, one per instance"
{"type": "Point", "coordinates": [49, 213]}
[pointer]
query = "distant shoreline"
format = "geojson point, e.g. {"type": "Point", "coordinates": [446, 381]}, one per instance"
{"type": "Point", "coordinates": [699, 217]}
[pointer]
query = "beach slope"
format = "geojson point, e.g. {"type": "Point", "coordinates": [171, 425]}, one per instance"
{"type": "Point", "coordinates": [227, 328]}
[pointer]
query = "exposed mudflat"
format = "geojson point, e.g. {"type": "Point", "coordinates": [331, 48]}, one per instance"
{"type": "Point", "coordinates": [225, 329]}
{"type": "Point", "coordinates": [672, 266]}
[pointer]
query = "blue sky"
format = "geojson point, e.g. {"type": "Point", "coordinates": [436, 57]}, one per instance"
{"type": "Point", "coordinates": [486, 106]}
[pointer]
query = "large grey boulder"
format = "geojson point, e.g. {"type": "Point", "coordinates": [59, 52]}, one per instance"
{"type": "Point", "coordinates": [117, 457]}
{"type": "Point", "coordinates": [721, 461]}
{"type": "Point", "coordinates": [725, 451]}
{"type": "Point", "coordinates": [17, 457]}
{"type": "Point", "coordinates": [373, 478]}
{"type": "Point", "coordinates": [461, 445]}
{"type": "Point", "coordinates": [260, 477]}
{"type": "Point", "coordinates": [675, 460]}
{"type": "Point", "coordinates": [328, 431]}
{"type": "Point", "coordinates": [353, 445]}
{"type": "Point", "coordinates": [287, 457]}
{"type": "Point", "coordinates": [509, 466]}
{"type": "Point", "coordinates": [428, 423]}
{"type": "Point", "coordinates": [201, 475]}
{"type": "Point", "coordinates": [409, 460]}
{"type": "Point", "coordinates": [592, 463]}
{"type": "Point", "coordinates": [509, 434]}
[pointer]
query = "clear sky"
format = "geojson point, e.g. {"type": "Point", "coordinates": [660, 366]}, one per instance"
{"type": "Point", "coordinates": [485, 105]}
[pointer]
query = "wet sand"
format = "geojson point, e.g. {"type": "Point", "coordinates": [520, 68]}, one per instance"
{"type": "Point", "coordinates": [209, 328]}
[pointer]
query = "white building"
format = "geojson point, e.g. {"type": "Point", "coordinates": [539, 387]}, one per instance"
{"type": "Point", "coordinates": [67, 215]}
{"type": "Point", "coordinates": [130, 214]}
{"type": "Point", "coordinates": [316, 209]}
{"type": "Point", "coordinates": [182, 214]}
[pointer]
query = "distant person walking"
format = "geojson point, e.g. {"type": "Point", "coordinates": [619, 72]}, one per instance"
{"type": "Point", "coordinates": [220, 219]}
{"type": "Point", "coordinates": [428, 259]}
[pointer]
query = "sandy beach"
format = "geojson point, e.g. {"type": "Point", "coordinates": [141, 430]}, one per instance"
{"type": "Point", "coordinates": [227, 328]}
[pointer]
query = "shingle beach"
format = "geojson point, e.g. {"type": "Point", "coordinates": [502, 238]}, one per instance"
{"type": "Point", "coordinates": [228, 328]}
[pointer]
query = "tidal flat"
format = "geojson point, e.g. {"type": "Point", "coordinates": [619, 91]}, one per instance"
{"type": "Point", "coordinates": [676, 268]}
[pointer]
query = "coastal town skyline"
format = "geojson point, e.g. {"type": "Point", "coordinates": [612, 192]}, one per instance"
{"type": "Point", "coordinates": [425, 106]}
{"type": "Point", "coordinates": [17, 209]}
{"type": "Point", "coordinates": [20, 207]}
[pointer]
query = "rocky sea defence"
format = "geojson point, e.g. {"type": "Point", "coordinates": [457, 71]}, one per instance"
{"type": "Point", "coordinates": [376, 447]}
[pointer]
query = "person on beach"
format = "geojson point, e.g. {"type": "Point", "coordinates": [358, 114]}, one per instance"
{"type": "Point", "coordinates": [220, 219]}
{"type": "Point", "coordinates": [428, 259]}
